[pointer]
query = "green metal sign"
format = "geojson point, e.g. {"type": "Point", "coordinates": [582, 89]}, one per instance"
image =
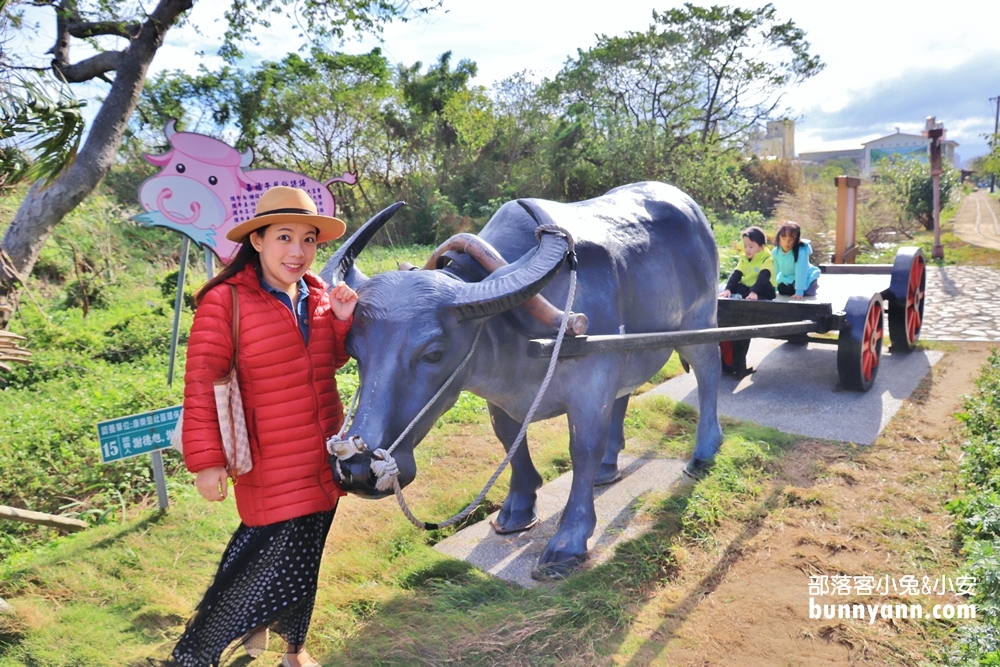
{"type": "Point", "coordinates": [147, 432]}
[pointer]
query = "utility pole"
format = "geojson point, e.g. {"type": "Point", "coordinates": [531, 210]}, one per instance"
{"type": "Point", "coordinates": [996, 121]}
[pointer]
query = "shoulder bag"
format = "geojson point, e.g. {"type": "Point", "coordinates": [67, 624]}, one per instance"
{"type": "Point", "coordinates": [229, 405]}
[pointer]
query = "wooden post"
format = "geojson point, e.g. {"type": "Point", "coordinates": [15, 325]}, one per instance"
{"type": "Point", "coordinates": [934, 131]}
{"type": "Point", "coordinates": [847, 217]}
{"type": "Point", "coordinates": [27, 516]}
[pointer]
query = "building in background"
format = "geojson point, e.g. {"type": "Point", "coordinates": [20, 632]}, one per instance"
{"type": "Point", "coordinates": [777, 142]}
{"type": "Point", "coordinates": [909, 145]}
{"type": "Point", "coordinates": [853, 155]}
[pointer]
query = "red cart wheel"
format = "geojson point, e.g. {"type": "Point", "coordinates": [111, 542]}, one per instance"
{"type": "Point", "coordinates": [906, 301]}
{"type": "Point", "coordinates": [859, 346]}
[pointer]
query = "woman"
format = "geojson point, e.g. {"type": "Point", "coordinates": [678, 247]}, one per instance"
{"type": "Point", "coordinates": [291, 342]}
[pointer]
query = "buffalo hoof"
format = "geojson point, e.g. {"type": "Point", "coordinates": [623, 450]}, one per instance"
{"type": "Point", "coordinates": [607, 474]}
{"type": "Point", "coordinates": [698, 469]}
{"type": "Point", "coordinates": [557, 570]}
{"type": "Point", "coordinates": [507, 528]}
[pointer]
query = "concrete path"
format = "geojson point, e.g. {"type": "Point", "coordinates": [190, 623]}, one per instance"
{"type": "Point", "coordinates": [795, 389]}
{"type": "Point", "coordinates": [512, 557]}
{"type": "Point", "coordinates": [978, 220]}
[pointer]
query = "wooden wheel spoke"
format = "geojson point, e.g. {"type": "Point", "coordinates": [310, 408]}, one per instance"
{"type": "Point", "coordinates": [915, 301]}
{"type": "Point", "coordinates": [870, 341]}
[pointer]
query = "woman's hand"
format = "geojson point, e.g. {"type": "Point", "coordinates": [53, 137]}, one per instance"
{"type": "Point", "coordinates": [752, 296]}
{"type": "Point", "coordinates": [343, 300]}
{"type": "Point", "coordinates": [725, 294]}
{"type": "Point", "coordinates": [212, 483]}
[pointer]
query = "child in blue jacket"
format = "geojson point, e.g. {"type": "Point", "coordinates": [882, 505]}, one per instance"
{"type": "Point", "coordinates": [796, 276]}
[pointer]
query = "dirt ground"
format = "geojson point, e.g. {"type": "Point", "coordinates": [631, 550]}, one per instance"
{"type": "Point", "coordinates": [833, 510]}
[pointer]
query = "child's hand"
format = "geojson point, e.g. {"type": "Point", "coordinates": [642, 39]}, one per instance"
{"type": "Point", "coordinates": [752, 296]}
{"type": "Point", "coordinates": [343, 300]}
{"type": "Point", "coordinates": [796, 297]}
{"type": "Point", "coordinates": [725, 294]}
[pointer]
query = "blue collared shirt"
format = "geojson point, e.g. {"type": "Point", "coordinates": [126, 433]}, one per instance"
{"type": "Point", "coordinates": [302, 309]}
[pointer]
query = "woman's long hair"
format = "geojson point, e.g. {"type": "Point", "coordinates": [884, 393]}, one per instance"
{"type": "Point", "coordinates": [793, 230]}
{"type": "Point", "coordinates": [247, 254]}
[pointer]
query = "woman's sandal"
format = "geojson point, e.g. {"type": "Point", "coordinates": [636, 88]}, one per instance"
{"type": "Point", "coordinates": [286, 663]}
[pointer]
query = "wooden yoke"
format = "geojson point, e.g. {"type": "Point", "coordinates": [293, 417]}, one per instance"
{"type": "Point", "coordinates": [487, 257]}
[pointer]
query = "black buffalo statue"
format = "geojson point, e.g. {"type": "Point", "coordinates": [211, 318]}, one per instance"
{"type": "Point", "coordinates": [647, 263]}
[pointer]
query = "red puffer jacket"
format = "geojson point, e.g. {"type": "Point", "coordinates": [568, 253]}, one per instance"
{"type": "Point", "coordinates": [289, 396]}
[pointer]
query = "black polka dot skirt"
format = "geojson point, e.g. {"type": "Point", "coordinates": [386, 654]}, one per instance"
{"type": "Point", "coordinates": [267, 578]}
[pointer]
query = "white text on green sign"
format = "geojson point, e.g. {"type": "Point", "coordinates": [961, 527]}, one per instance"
{"type": "Point", "coordinates": [125, 437]}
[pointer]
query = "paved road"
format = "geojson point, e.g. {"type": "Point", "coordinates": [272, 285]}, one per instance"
{"type": "Point", "coordinates": [978, 220]}
{"type": "Point", "coordinates": [963, 304]}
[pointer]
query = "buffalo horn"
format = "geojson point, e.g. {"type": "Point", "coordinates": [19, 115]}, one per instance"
{"type": "Point", "coordinates": [340, 265]}
{"type": "Point", "coordinates": [480, 250]}
{"type": "Point", "coordinates": [494, 296]}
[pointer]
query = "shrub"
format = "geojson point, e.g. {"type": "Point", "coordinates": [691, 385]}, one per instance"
{"type": "Point", "coordinates": [814, 207]}
{"type": "Point", "coordinates": [767, 181]}
{"type": "Point", "coordinates": [137, 336]}
{"type": "Point", "coordinates": [910, 184]}
{"type": "Point", "coordinates": [168, 289]}
{"type": "Point", "coordinates": [978, 518]}
{"type": "Point", "coordinates": [85, 293]}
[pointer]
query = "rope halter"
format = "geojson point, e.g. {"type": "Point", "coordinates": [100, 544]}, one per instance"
{"type": "Point", "coordinates": [384, 466]}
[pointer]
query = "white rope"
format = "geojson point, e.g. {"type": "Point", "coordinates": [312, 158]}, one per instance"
{"type": "Point", "coordinates": [471, 507]}
{"type": "Point", "coordinates": [384, 466]}
{"type": "Point", "coordinates": [440, 391]}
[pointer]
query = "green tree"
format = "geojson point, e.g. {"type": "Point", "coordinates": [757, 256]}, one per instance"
{"type": "Point", "coordinates": [908, 181]}
{"type": "Point", "coordinates": [989, 164]}
{"type": "Point", "coordinates": [641, 106]}
{"type": "Point", "coordinates": [40, 121]}
{"type": "Point", "coordinates": [127, 36]}
{"type": "Point", "coordinates": [742, 60]}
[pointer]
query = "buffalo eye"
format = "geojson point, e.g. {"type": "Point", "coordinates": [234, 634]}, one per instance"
{"type": "Point", "coordinates": [433, 357]}
{"type": "Point", "coordinates": [181, 168]}
{"type": "Point", "coordinates": [212, 180]}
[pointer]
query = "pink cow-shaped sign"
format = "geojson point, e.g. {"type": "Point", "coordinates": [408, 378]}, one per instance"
{"type": "Point", "coordinates": [202, 190]}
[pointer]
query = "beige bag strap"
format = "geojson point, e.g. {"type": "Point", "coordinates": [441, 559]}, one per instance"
{"type": "Point", "coordinates": [236, 328]}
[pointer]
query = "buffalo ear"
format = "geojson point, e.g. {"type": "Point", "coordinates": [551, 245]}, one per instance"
{"type": "Point", "coordinates": [341, 265]}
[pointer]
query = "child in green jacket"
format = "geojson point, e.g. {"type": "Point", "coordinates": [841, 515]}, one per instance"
{"type": "Point", "coordinates": [753, 279]}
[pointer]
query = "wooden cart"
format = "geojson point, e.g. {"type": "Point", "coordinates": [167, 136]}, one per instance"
{"type": "Point", "coordinates": [858, 323]}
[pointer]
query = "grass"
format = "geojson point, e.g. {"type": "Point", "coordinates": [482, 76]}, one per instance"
{"type": "Point", "coordinates": [978, 518]}
{"type": "Point", "coordinates": [385, 595]}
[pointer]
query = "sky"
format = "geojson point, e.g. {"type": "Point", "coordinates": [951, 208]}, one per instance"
{"type": "Point", "coordinates": [889, 64]}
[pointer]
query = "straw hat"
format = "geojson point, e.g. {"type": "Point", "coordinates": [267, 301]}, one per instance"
{"type": "Point", "coordinates": [284, 204]}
